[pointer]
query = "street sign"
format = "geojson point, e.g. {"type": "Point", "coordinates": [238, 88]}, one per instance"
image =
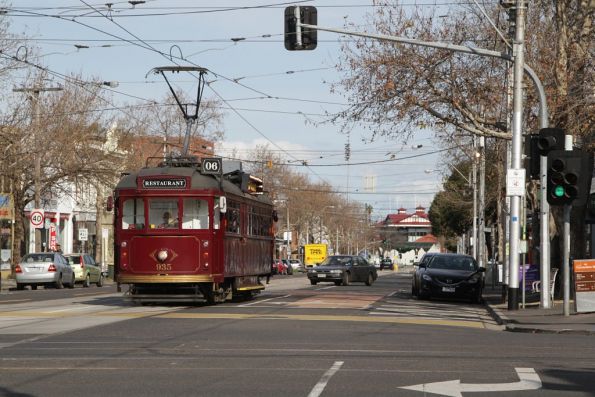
{"type": "Point", "coordinates": [584, 285]}
{"type": "Point", "coordinates": [211, 166]}
{"type": "Point", "coordinates": [37, 216]}
{"type": "Point", "coordinates": [515, 182]}
{"type": "Point", "coordinates": [83, 234]}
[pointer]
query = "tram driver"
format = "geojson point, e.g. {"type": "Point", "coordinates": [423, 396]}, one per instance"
{"type": "Point", "coordinates": [168, 221]}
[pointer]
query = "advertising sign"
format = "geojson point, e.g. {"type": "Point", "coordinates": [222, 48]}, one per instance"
{"type": "Point", "coordinates": [52, 236]}
{"type": "Point", "coordinates": [584, 285]}
{"type": "Point", "coordinates": [5, 206]}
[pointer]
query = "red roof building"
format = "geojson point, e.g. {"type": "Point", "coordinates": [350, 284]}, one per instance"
{"type": "Point", "coordinates": [415, 226]}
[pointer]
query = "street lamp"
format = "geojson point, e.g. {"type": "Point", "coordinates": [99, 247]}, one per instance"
{"type": "Point", "coordinates": [321, 215]}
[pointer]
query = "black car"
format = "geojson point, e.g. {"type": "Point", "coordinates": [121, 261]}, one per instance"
{"type": "Point", "coordinates": [386, 263]}
{"type": "Point", "coordinates": [448, 275]}
{"type": "Point", "coordinates": [343, 269]}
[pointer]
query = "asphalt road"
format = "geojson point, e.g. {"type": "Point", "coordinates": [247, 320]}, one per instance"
{"type": "Point", "coordinates": [293, 340]}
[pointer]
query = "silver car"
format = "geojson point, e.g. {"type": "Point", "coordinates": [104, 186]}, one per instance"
{"type": "Point", "coordinates": [44, 268]}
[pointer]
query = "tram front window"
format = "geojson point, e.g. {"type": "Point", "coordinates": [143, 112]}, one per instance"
{"type": "Point", "coordinates": [196, 214]}
{"type": "Point", "coordinates": [163, 213]}
{"type": "Point", "coordinates": [133, 214]}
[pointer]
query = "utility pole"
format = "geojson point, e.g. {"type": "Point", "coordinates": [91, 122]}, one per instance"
{"type": "Point", "coordinates": [36, 123]}
{"type": "Point", "coordinates": [481, 214]}
{"type": "Point", "coordinates": [517, 119]}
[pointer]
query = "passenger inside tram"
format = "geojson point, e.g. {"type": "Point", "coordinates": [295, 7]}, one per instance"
{"type": "Point", "coordinates": [168, 221]}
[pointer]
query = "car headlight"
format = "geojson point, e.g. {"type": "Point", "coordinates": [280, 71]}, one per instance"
{"type": "Point", "coordinates": [473, 280]}
{"type": "Point", "coordinates": [311, 271]}
{"type": "Point", "coordinates": [337, 271]}
{"type": "Point", "coordinates": [426, 277]}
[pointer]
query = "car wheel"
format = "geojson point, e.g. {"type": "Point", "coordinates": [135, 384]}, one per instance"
{"type": "Point", "coordinates": [20, 286]}
{"type": "Point", "coordinates": [313, 282]}
{"type": "Point", "coordinates": [100, 281]}
{"type": "Point", "coordinates": [59, 284]}
{"type": "Point", "coordinates": [337, 283]}
{"type": "Point", "coordinates": [71, 284]}
{"type": "Point", "coordinates": [87, 282]}
{"type": "Point", "coordinates": [370, 279]}
{"type": "Point", "coordinates": [413, 291]}
{"type": "Point", "coordinates": [345, 279]}
{"type": "Point", "coordinates": [33, 286]}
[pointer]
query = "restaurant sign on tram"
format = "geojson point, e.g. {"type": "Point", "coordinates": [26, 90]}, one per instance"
{"type": "Point", "coordinates": [165, 183]}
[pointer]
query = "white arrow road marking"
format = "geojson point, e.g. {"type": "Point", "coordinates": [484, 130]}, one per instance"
{"type": "Point", "coordinates": [319, 387]}
{"type": "Point", "coordinates": [529, 380]}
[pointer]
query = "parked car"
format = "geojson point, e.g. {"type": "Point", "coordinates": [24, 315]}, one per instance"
{"type": "Point", "coordinates": [296, 265]}
{"type": "Point", "coordinates": [386, 263]}
{"type": "Point", "coordinates": [288, 267]}
{"type": "Point", "coordinates": [86, 271]}
{"type": "Point", "coordinates": [278, 267]}
{"type": "Point", "coordinates": [449, 275]}
{"type": "Point", "coordinates": [343, 269]}
{"type": "Point", "coordinates": [44, 268]}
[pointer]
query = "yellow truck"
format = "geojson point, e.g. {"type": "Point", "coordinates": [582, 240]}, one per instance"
{"type": "Point", "coordinates": [314, 254]}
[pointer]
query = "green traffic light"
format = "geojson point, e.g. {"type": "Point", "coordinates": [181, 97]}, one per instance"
{"type": "Point", "coordinates": [559, 191]}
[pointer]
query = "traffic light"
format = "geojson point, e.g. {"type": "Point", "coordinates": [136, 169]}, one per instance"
{"type": "Point", "coordinates": [296, 37]}
{"type": "Point", "coordinates": [550, 139]}
{"type": "Point", "coordinates": [569, 177]}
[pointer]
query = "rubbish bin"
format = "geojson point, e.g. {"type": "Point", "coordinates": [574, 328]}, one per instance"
{"type": "Point", "coordinates": [110, 271]}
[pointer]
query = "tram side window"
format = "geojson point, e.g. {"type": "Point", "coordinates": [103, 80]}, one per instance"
{"type": "Point", "coordinates": [163, 213]}
{"type": "Point", "coordinates": [133, 214]}
{"type": "Point", "coordinates": [196, 214]}
{"type": "Point", "coordinates": [233, 217]}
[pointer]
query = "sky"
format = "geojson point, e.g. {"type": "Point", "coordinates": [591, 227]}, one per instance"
{"type": "Point", "coordinates": [270, 95]}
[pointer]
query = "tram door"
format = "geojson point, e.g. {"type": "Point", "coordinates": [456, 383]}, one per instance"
{"type": "Point", "coordinates": [219, 209]}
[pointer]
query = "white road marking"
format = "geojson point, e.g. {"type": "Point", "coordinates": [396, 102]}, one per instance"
{"type": "Point", "coordinates": [319, 387]}
{"type": "Point", "coordinates": [529, 380]}
{"type": "Point", "coordinates": [263, 300]}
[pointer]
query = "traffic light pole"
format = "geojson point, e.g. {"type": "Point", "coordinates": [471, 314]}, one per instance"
{"type": "Point", "coordinates": [566, 243]}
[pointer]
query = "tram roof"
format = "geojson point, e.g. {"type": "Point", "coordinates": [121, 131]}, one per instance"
{"type": "Point", "coordinates": [197, 181]}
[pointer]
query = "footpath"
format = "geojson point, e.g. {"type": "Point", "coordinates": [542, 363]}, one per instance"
{"type": "Point", "coordinates": [534, 319]}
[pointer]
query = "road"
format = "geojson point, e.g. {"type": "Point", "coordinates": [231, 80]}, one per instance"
{"type": "Point", "coordinates": [293, 340]}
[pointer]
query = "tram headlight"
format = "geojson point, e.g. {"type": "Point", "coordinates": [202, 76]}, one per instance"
{"type": "Point", "coordinates": [205, 243]}
{"type": "Point", "coordinates": [124, 244]}
{"type": "Point", "coordinates": [162, 255]}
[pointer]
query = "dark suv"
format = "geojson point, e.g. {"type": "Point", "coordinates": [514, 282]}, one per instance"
{"type": "Point", "coordinates": [386, 263]}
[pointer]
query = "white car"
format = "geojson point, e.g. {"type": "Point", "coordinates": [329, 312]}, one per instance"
{"type": "Point", "coordinates": [44, 268]}
{"type": "Point", "coordinates": [296, 264]}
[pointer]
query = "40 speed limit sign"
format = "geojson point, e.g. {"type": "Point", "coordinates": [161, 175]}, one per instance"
{"type": "Point", "coordinates": [37, 216]}
{"type": "Point", "coordinates": [211, 166]}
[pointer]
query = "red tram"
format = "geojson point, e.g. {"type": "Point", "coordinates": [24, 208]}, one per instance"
{"type": "Point", "coordinates": [185, 235]}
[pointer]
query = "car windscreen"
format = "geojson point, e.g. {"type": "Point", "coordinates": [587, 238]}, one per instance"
{"type": "Point", "coordinates": [452, 263]}
{"type": "Point", "coordinates": [49, 257]}
{"type": "Point", "coordinates": [336, 261]}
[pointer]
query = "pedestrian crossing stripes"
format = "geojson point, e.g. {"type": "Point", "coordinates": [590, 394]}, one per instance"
{"type": "Point", "coordinates": [434, 311]}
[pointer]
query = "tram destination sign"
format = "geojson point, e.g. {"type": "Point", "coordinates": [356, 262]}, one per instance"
{"type": "Point", "coordinates": [211, 166]}
{"type": "Point", "coordinates": [164, 183]}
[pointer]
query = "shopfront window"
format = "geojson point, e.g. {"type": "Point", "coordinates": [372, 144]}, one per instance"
{"type": "Point", "coordinates": [133, 214]}
{"type": "Point", "coordinates": [196, 214]}
{"type": "Point", "coordinates": [163, 213]}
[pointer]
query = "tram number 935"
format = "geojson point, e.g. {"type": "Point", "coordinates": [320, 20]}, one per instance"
{"type": "Point", "coordinates": [160, 267]}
